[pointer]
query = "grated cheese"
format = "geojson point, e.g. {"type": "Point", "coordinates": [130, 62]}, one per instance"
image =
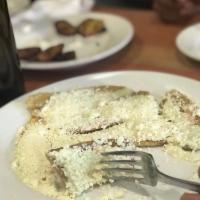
{"type": "Point", "coordinates": [80, 167]}
{"type": "Point", "coordinates": [121, 115]}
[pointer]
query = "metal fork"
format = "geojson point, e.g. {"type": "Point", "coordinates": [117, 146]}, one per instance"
{"type": "Point", "coordinates": [140, 168]}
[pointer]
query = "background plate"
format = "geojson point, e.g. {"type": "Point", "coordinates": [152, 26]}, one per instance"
{"type": "Point", "coordinates": [14, 114]}
{"type": "Point", "coordinates": [188, 42]}
{"type": "Point", "coordinates": [31, 30]}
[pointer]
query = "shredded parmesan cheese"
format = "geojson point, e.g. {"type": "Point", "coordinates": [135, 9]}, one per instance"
{"type": "Point", "coordinates": [97, 115]}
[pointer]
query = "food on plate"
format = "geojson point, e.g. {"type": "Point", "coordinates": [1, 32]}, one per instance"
{"type": "Point", "coordinates": [181, 110]}
{"type": "Point", "coordinates": [86, 28]}
{"type": "Point", "coordinates": [78, 167]}
{"type": "Point", "coordinates": [55, 53]}
{"type": "Point", "coordinates": [29, 53]}
{"type": "Point", "coordinates": [65, 28]}
{"type": "Point", "coordinates": [177, 106]}
{"type": "Point", "coordinates": [58, 150]}
{"type": "Point", "coordinates": [70, 55]}
{"type": "Point", "coordinates": [91, 27]}
{"type": "Point", "coordinates": [50, 53]}
{"type": "Point", "coordinates": [37, 101]}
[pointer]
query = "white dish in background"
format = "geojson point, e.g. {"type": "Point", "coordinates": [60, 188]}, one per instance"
{"type": "Point", "coordinates": [41, 32]}
{"type": "Point", "coordinates": [64, 7]}
{"type": "Point", "coordinates": [16, 6]}
{"type": "Point", "coordinates": [14, 114]}
{"type": "Point", "coordinates": [188, 41]}
{"type": "Point", "coordinates": [47, 8]}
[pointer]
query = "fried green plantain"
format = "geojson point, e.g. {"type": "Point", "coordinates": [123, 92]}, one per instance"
{"type": "Point", "coordinates": [91, 27]}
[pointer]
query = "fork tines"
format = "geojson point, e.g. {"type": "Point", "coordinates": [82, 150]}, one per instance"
{"type": "Point", "coordinates": [124, 153]}
{"type": "Point", "coordinates": [140, 167]}
{"type": "Point", "coordinates": [123, 165]}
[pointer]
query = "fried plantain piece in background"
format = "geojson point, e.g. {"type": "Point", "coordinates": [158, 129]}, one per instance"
{"type": "Point", "coordinates": [91, 27]}
{"type": "Point", "coordinates": [50, 54]}
{"type": "Point", "coordinates": [65, 28]}
{"type": "Point", "coordinates": [28, 53]}
{"type": "Point", "coordinates": [70, 55]}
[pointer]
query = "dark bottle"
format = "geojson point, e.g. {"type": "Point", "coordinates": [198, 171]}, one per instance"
{"type": "Point", "coordinates": [11, 82]}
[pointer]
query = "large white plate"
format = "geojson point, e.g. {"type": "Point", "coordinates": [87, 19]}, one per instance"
{"type": "Point", "coordinates": [188, 42]}
{"type": "Point", "coordinates": [14, 114]}
{"type": "Point", "coordinates": [40, 31]}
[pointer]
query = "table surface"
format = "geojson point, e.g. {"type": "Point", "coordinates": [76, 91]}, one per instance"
{"type": "Point", "coordinates": [152, 48]}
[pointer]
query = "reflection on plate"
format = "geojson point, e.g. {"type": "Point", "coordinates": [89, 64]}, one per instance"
{"type": "Point", "coordinates": [188, 42]}
{"type": "Point", "coordinates": [15, 113]}
{"type": "Point", "coordinates": [41, 32]}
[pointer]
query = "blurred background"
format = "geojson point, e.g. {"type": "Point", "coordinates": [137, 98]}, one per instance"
{"type": "Point", "coordinates": [16, 6]}
{"type": "Point", "coordinates": [144, 4]}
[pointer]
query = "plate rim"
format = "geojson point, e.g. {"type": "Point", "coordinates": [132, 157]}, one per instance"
{"type": "Point", "coordinates": [102, 73]}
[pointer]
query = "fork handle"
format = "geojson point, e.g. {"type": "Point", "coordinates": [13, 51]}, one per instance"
{"type": "Point", "coordinates": [179, 182]}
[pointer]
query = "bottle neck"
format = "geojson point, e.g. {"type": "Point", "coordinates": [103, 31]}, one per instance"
{"type": "Point", "coordinates": [8, 53]}
{"type": "Point", "coordinates": [11, 82]}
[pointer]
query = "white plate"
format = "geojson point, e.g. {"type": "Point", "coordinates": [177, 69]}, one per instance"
{"type": "Point", "coordinates": [41, 32]}
{"type": "Point", "coordinates": [188, 41]}
{"type": "Point", "coordinates": [64, 7]}
{"type": "Point", "coordinates": [16, 6]}
{"type": "Point", "coordinates": [48, 8]}
{"type": "Point", "coordinates": [14, 114]}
